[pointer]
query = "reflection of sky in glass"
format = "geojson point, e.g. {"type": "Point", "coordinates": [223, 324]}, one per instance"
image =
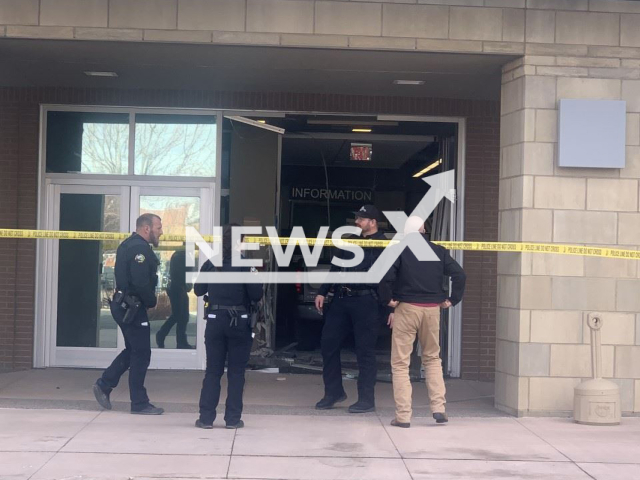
{"type": "Point", "coordinates": [105, 148]}
{"type": "Point", "coordinates": [175, 149]}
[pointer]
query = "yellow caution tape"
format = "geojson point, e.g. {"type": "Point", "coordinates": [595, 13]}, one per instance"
{"type": "Point", "coordinates": [522, 247]}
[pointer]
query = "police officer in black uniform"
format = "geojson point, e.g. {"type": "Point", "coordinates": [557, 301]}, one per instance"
{"type": "Point", "coordinates": [353, 308]}
{"type": "Point", "coordinates": [228, 336]}
{"type": "Point", "coordinates": [136, 279]}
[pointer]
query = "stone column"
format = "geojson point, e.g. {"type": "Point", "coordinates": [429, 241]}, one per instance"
{"type": "Point", "coordinates": [542, 340]}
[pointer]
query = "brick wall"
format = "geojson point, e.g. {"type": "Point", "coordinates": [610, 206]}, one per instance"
{"type": "Point", "coordinates": [19, 117]}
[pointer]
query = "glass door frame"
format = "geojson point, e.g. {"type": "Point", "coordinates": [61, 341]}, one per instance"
{"type": "Point", "coordinates": [74, 356]}
{"type": "Point", "coordinates": [46, 352]}
{"type": "Point", "coordinates": [172, 358]}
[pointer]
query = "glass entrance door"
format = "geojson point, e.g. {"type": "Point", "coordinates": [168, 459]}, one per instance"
{"type": "Point", "coordinates": [176, 322]}
{"type": "Point", "coordinates": [80, 274]}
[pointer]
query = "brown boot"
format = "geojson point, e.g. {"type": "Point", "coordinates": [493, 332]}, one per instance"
{"type": "Point", "coordinates": [396, 423]}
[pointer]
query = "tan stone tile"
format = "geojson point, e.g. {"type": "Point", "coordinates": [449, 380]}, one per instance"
{"type": "Point", "coordinates": [314, 40]}
{"type": "Point", "coordinates": [347, 18]}
{"type": "Point", "coordinates": [630, 30]}
{"type": "Point", "coordinates": [279, 16]}
{"type": "Point", "coordinates": [629, 229]}
{"type": "Point", "coordinates": [628, 362]}
{"type": "Point", "coordinates": [554, 326]}
{"type": "Point", "coordinates": [458, 46]}
{"type": "Point", "coordinates": [143, 14]}
{"type": "Point", "coordinates": [177, 36]}
{"type": "Point", "coordinates": [40, 32]}
{"type": "Point", "coordinates": [74, 13]}
{"type": "Point", "coordinates": [470, 23]}
{"type": "Point", "coordinates": [592, 88]}
{"type": "Point", "coordinates": [575, 361]}
{"type": "Point", "coordinates": [576, 293]}
{"type": "Point", "coordinates": [419, 21]}
{"type": "Point", "coordinates": [382, 43]}
{"type": "Point", "coordinates": [120, 34]}
{"type": "Point", "coordinates": [19, 12]}
{"type": "Point", "coordinates": [547, 127]}
{"type": "Point", "coordinates": [225, 15]}
{"type": "Point", "coordinates": [540, 26]}
{"type": "Point", "coordinates": [581, 28]}
{"type": "Point", "coordinates": [512, 24]}
{"type": "Point", "coordinates": [551, 394]}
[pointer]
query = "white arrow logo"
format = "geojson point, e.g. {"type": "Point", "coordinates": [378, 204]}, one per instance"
{"type": "Point", "coordinates": [442, 185]}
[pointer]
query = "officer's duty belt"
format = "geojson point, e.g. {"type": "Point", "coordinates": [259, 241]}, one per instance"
{"type": "Point", "coordinates": [348, 292]}
{"type": "Point", "coordinates": [237, 308]}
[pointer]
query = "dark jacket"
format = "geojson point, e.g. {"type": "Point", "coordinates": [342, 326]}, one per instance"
{"type": "Point", "coordinates": [136, 270]}
{"type": "Point", "coordinates": [228, 294]}
{"type": "Point", "coordinates": [413, 281]}
{"type": "Point", "coordinates": [371, 254]}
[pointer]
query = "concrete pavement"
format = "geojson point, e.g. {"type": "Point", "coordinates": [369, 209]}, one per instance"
{"type": "Point", "coordinates": [285, 439]}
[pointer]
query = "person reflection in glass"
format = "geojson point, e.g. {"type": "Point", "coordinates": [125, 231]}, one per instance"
{"type": "Point", "coordinates": [178, 291]}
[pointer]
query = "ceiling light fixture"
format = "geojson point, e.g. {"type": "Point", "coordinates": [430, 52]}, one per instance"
{"type": "Point", "coordinates": [100, 74]}
{"type": "Point", "coordinates": [426, 169]}
{"type": "Point", "coordinates": [408, 82]}
{"type": "Point", "coordinates": [361, 130]}
{"type": "Point", "coordinates": [261, 121]}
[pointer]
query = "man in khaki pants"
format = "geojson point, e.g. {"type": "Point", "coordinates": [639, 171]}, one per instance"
{"type": "Point", "coordinates": [417, 291]}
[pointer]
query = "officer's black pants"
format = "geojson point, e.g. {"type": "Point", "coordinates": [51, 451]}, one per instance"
{"type": "Point", "coordinates": [362, 316]}
{"type": "Point", "coordinates": [135, 357]}
{"type": "Point", "coordinates": [179, 317]}
{"type": "Point", "coordinates": [225, 342]}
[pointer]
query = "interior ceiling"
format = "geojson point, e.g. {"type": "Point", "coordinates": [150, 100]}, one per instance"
{"type": "Point", "coordinates": [256, 69]}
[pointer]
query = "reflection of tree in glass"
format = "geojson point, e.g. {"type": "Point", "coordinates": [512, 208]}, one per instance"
{"type": "Point", "coordinates": [105, 148]}
{"type": "Point", "coordinates": [111, 213]}
{"type": "Point", "coordinates": [182, 149]}
{"type": "Point", "coordinates": [176, 212]}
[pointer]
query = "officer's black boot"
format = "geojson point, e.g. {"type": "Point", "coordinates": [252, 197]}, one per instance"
{"type": "Point", "coordinates": [201, 424]}
{"type": "Point", "coordinates": [235, 426]}
{"type": "Point", "coordinates": [362, 407]}
{"type": "Point", "coordinates": [102, 396]}
{"type": "Point", "coordinates": [148, 410]}
{"type": "Point", "coordinates": [328, 402]}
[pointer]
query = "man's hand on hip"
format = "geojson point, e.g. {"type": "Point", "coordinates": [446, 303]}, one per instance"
{"type": "Point", "coordinates": [319, 303]}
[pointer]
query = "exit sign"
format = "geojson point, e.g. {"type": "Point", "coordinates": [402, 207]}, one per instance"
{"type": "Point", "coordinates": [361, 152]}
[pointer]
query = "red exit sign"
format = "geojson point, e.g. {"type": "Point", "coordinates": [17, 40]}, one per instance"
{"type": "Point", "coordinates": [361, 152]}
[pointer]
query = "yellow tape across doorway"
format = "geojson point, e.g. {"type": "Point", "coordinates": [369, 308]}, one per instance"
{"type": "Point", "coordinates": [523, 247]}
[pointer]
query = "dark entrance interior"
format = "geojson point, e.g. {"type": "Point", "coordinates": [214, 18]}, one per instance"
{"type": "Point", "coordinates": [330, 167]}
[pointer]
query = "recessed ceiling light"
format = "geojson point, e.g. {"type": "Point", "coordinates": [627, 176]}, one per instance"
{"type": "Point", "coordinates": [361, 130]}
{"type": "Point", "coordinates": [100, 74]}
{"type": "Point", "coordinates": [429, 167]}
{"type": "Point", "coordinates": [409, 82]}
{"type": "Point", "coordinates": [261, 121]}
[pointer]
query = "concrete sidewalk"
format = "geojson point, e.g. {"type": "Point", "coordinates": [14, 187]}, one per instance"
{"type": "Point", "coordinates": [285, 438]}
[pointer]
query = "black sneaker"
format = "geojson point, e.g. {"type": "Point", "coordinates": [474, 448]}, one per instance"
{"type": "Point", "coordinates": [148, 410]}
{"type": "Point", "coordinates": [235, 426]}
{"type": "Point", "coordinates": [362, 407]}
{"type": "Point", "coordinates": [329, 402]}
{"type": "Point", "coordinates": [201, 424]}
{"type": "Point", "coordinates": [441, 417]}
{"type": "Point", "coordinates": [160, 340]}
{"type": "Point", "coordinates": [101, 396]}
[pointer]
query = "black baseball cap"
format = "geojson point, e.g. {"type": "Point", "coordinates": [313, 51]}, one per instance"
{"type": "Point", "coordinates": [368, 211]}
